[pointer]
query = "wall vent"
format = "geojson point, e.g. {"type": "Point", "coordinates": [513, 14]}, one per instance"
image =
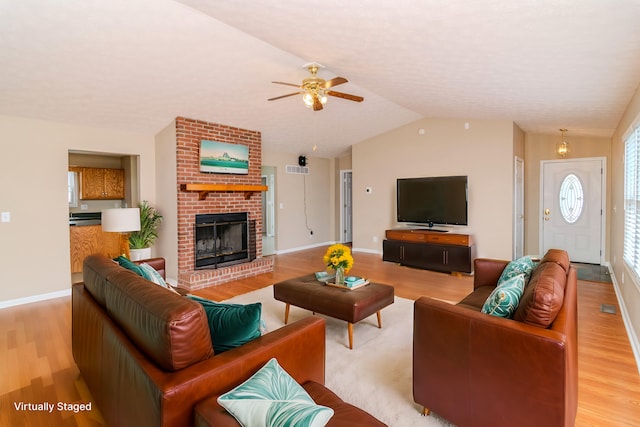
{"type": "Point", "coordinates": [299, 170]}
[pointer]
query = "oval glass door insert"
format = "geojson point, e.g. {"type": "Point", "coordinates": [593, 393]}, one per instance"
{"type": "Point", "coordinates": [571, 198]}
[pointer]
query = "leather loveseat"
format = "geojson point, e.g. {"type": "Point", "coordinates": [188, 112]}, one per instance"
{"type": "Point", "coordinates": [475, 369]}
{"type": "Point", "coordinates": [146, 355]}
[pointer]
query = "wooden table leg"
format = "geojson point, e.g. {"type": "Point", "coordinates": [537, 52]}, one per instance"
{"type": "Point", "coordinates": [350, 328]}
{"type": "Point", "coordinates": [286, 313]}
{"type": "Point", "coordinates": [379, 319]}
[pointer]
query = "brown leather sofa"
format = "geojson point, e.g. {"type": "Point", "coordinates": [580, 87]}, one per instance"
{"type": "Point", "coordinates": [146, 356]}
{"type": "Point", "coordinates": [475, 369]}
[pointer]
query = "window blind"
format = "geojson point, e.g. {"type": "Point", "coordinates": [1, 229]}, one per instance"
{"type": "Point", "coordinates": [632, 200]}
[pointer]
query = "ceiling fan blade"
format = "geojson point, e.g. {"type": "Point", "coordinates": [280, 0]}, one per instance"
{"type": "Point", "coordinates": [334, 82]}
{"type": "Point", "coordinates": [355, 98]}
{"type": "Point", "coordinates": [317, 105]}
{"type": "Point", "coordinates": [284, 96]}
{"type": "Point", "coordinates": [287, 84]}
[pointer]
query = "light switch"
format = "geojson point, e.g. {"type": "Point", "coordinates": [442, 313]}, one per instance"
{"type": "Point", "coordinates": [5, 217]}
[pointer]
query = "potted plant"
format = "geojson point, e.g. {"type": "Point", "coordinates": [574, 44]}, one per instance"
{"type": "Point", "coordinates": [141, 241]}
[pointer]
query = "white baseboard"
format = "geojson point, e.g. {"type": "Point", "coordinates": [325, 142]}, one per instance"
{"type": "Point", "coordinates": [628, 325]}
{"type": "Point", "coordinates": [35, 298]}
{"type": "Point", "coordinates": [301, 248]}
{"type": "Point", "coordinates": [367, 251]}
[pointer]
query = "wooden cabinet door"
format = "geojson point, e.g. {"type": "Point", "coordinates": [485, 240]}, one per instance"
{"type": "Point", "coordinates": [90, 239]}
{"type": "Point", "coordinates": [114, 184]}
{"type": "Point", "coordinates": [92, 184]}
{"type": "Point", "coordinates": [459, 258]}
{"type": "Point", "coordinates": [102, 184]}
{"type": "Point", "coordinates": [392, 251]}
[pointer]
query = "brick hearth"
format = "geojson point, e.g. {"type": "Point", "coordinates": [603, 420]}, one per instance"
{"type": "Point", "coordinates": [189, 133]}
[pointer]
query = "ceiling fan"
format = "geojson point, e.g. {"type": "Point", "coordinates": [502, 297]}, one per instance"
{"type": "Point", "coordinates": [314, 90]}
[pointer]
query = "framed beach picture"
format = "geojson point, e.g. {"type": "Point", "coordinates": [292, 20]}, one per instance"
{"type": "Point", "coordinates": [221, 157]}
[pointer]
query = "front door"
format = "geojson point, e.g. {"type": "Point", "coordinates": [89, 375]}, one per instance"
{"type": "Point", "coordinates": [572, 206]}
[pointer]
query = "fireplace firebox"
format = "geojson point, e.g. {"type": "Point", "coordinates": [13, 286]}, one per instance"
{"type": "Point", "coordinates": [224, 239]}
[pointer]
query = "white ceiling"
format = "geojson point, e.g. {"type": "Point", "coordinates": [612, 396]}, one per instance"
{"type": "Point", "coordinates": [137, 64]}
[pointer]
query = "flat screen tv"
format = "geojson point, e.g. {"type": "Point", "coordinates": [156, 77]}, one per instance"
{"type": "Point", "coordinates": [432, 200]}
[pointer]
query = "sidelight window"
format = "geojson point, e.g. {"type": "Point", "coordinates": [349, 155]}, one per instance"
{"type": "Point", "coordinates": [632, 200]}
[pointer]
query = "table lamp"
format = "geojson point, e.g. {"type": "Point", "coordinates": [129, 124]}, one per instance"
{"type": "Point", "coordinates": [122, 221]}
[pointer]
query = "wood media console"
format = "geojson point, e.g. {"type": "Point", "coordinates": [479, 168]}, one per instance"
{"type": "Point", "coordinates": [430, 250]}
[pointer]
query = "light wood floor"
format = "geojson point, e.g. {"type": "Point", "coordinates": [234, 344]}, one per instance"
{"type": "Point", "coordinates": [36, 364]}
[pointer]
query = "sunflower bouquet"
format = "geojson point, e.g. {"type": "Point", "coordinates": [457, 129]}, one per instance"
{"type": "Point", "coordinates": [338, 257]}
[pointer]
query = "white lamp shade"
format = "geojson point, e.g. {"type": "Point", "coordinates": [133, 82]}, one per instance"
{"type": "Point", "coordinates": [121, 220]}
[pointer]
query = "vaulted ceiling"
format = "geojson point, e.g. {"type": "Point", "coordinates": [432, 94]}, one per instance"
{"type": "Point", "coordinates": [137, 64]}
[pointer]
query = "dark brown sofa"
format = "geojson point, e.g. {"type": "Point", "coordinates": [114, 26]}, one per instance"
{"type": "Point", "coordinates": [475, 369]}
{"type": "Point", "coordinates": [145, 353]}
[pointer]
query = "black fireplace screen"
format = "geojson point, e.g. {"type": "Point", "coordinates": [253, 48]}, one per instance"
{"type": "Point", "coordinates": [223, 239]}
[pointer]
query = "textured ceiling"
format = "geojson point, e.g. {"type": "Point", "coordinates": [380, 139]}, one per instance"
{"type": "Point", "coordinates": [137, 64]}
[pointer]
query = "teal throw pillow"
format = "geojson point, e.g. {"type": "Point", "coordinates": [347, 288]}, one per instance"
{"type": "Point", "coordinates": [504, 299]}
{"type": "Point", "coordinates": [272, 398]}
{"type": "Point", "coordinates": [152, 275]}
{"type": "Point", "coordinates": [231, 325]}
{"type": "Point", "coordinates": [524, 265]}
{"type": "Point", "coordinates": [130, 265]}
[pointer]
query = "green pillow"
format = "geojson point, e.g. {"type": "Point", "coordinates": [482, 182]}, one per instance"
{"type": "Point", "coordinates": [504, 299]}
{"type": "Point", "coordinates": [130, 265]}
{"type": "Point", "coordinates": [231, 325]}
{"type": "Point", "coordinates": [524, 265]}
{"type": "Point", "coordinates": [272, 398]}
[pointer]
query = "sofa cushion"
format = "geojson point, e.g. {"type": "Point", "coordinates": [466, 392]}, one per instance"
{"type": "Point", "coordinates": [504, 299]}
{"type": "Point", "coordinates": [271, 397]}
{"type": "Point", "coordinates": [231, 325]}
{"type": "Point", "coordinates": [171, 330]}
{"type": "Point", "coordinates": [524, 265]}
{"type": "Point", "coordinates": [557, 256]}
{"type": "Point", "coordinates": [96, 270]}
{"type": "Point", "coordinates": [543, 296]}
{"type": "Point", "coordinates": [476, 299]}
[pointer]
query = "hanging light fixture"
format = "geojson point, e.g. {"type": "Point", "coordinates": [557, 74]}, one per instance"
{"type": "Point", "coordinates": [563, 146]}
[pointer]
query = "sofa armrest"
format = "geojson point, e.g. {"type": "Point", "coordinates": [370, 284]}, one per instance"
{"type": "Point", "coordinates": [299, 348]}
{"type": "Point", "coordinates": [487, 271]}
{"type": "Point", "coordinates": [464, 360]}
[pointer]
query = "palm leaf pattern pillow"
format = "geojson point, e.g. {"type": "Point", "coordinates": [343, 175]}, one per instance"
{"type": "Point", "coordinates": [524, 265]}
{"type": "Point", "coordinates": [504, 299]}
{"type": "Point", "coordinates": [272, 398]}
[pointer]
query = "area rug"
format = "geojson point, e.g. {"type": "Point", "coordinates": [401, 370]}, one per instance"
{"type": "Point", "coordinates": [377, 374]}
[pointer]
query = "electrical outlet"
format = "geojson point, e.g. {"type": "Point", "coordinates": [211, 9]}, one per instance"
{"type": "Point", "coordinates": [375, 239]}
{"type": "Point", "coordinates": [5, 217]}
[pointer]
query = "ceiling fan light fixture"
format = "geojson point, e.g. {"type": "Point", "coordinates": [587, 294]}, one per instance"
{"type": "Point", "coordinates": [308, 99]}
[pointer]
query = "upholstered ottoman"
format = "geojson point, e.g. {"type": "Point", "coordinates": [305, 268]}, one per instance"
{"type": "Point", "coordinates": [210, 413]}
{"type": "Point", "coordinates": [351, 306]}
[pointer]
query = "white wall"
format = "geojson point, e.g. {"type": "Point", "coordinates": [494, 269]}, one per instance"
{"type": "Point", "coordinates": [318, 186]}
{"type": "Point", "coordinates": [628, 288]}
{"type": "Point", "coordinates": [34, 246]}
{"type": "Point", "coordinates": [484, 152]}
{"type": "Point", "coordinates": [167, 199]}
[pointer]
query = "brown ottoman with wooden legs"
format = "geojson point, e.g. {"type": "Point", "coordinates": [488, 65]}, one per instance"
{"type": "Point", "coordinates": [351, 306]}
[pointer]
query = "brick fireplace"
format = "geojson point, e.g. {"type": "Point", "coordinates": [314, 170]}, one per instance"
{"type": "Point", "coordinates": [189, 133]}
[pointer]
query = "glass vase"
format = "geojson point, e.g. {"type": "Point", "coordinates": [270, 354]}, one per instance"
{"type": "Point", "coordinates": [339, 276]}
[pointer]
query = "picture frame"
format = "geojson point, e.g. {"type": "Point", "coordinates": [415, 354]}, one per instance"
{"type": "Point", "coordinates": [222, 157]}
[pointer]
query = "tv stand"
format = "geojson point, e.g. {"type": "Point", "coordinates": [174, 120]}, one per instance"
{"type": "Point", "coordinates": [430, 250]}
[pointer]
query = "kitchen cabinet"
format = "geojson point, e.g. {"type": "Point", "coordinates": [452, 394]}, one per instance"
{"type": "Point", "coordinates": [90, 239]}
{"type": "Point", "coordinates": [101, 184]}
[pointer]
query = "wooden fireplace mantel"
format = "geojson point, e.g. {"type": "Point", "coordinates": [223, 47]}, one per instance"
{"type": "Point", "coordinates": [205, 189]}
